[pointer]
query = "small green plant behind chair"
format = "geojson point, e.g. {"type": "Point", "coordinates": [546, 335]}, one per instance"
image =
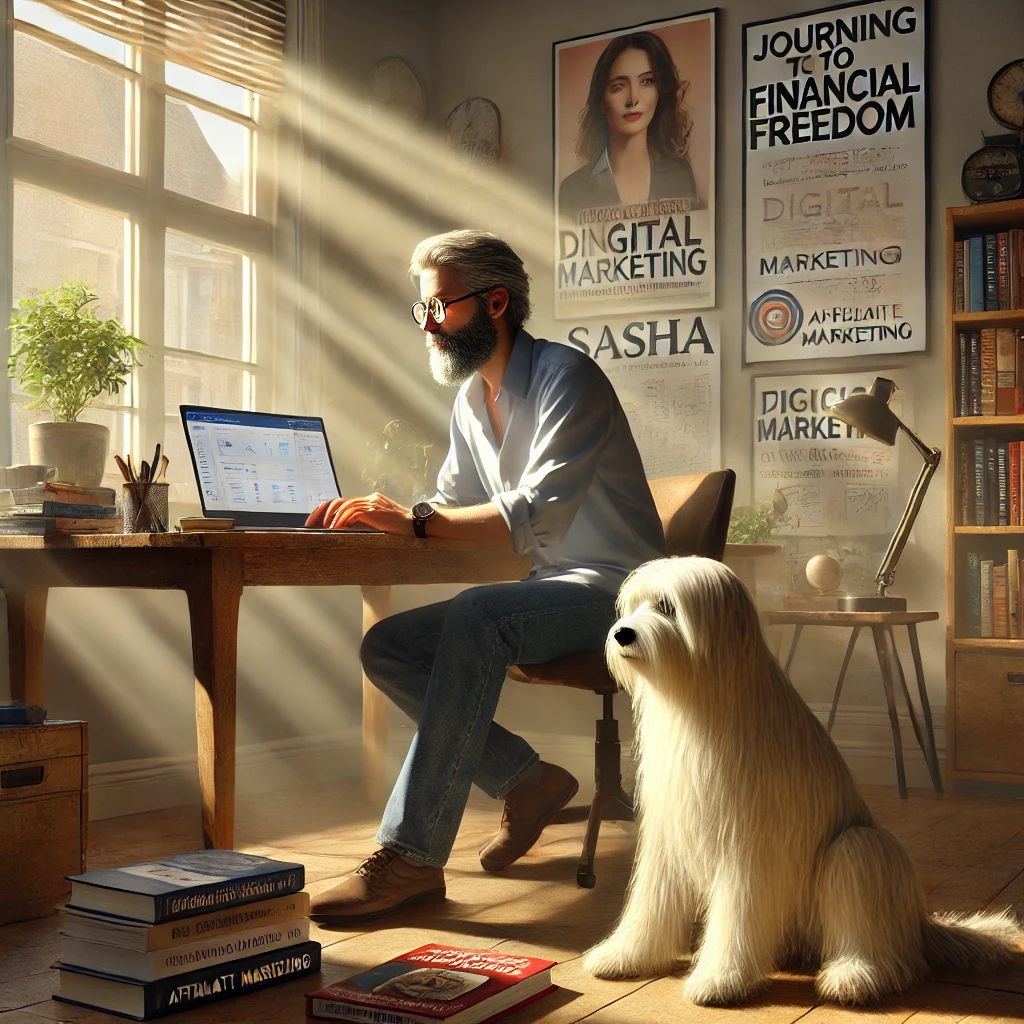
{"type": "Point", "coordinates": [694, 513]}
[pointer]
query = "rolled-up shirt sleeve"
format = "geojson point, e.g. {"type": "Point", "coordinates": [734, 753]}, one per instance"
{"type": "Point", "coordinates": [458, 481]}
{"type": "Point", "coordinates": [573, 426]}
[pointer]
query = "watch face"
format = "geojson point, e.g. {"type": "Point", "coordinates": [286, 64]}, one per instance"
{"type": "Point", "coordinates": [394, 85]}
{"type": "Point", "coordinates": [422, 510]}
{"type": "Point", "coordinates": [1006, 95]}
{"type": "Point", "coordinates": [473, 128]}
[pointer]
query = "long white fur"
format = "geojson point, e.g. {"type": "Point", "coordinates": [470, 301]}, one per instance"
{"type": "Point", "coordinates": [754, 843]}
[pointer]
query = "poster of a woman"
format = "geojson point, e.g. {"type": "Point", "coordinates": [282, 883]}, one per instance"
{"type": "Point", "coordinates": [634, 168]}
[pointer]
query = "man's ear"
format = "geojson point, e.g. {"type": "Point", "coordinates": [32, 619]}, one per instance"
{"type": "Point", "coordinates": [497, 303]}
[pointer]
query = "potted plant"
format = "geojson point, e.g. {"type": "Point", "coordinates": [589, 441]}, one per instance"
{"type": "Point", "coordinates": [64, 356]}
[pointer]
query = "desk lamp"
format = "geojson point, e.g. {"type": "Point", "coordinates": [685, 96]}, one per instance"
{"type": "Point", "coordinates": [870, 414]}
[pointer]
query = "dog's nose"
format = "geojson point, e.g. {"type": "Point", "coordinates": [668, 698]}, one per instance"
{"type": "Point", "coordinates": [624, 636]}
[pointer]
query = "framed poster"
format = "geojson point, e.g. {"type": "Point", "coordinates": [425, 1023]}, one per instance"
{"type": "Point", "coordinates": [835, 481]}
{"type": "Point", "coordinates": [835, 182]}
{"type": "Point", "coordinates": [667, 374]}
{"type": "Point", "coordinates": [634, 169]}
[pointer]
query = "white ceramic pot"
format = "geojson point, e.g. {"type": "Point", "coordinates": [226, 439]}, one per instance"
{"type": "Point", "coordinates": [77, 450]}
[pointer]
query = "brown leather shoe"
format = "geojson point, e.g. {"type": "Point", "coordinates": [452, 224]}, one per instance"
{"type": "Point", "coordinates": [384, 882]}
{"type": "Point", "coordinates": [527, 812]}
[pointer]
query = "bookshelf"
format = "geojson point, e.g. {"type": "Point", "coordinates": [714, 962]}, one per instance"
{"type": "Point", "coordinates": [984, 674]}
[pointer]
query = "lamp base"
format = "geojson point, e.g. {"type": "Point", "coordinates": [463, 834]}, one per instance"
{"type": "Point", "coordinates": [874, 603]}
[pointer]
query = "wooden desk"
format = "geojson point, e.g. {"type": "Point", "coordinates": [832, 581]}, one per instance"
{"type": "Point", "coordinates": [881, 624]}
{"type": "Point", "coordinates": [212, 569]}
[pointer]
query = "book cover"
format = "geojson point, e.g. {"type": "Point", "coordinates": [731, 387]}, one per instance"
{"type": "Point", "coordinates": [1000, 610]}
{"type": "Point", "coordinates": [1013, 593]}
{"type": "Point", "coordinates": [963, 383]}
{"type": "Point", "coordinates": [435, 983]}
{"type": "Point", "coordinates": [974, 372]}
{"type": "Point", "coordinates": [980, 475]}
{"type": "Point", "coordinates": [973, 577]}
{"type": "Point", "coordinates": [1003, 483]}
{"type": "Point", "coordinates": [1002, 270]}
{"type": "Point", "coordinates": [977, 265]}
{"type": "Point", "coordinates": [988, 371]}
{"type": "Point", "coordinates": [1006, 371]}
{"type": "Point", "coordinates": [165, 963]}
{"type": "Point", "coordinates": [145, 1000]}
{"type": "Point", "coordinates": [185, 884]}
{"type": "Point", "coordinates": [114, 931]}
{"type": "Point", "coordinates": [990, 296]}
{"type": "Point", "coordinates": [987, 567]}
{"type": "Point", "coordinates": [1014, 474]}
{"type": "Point", "coordinates": [958, 277]}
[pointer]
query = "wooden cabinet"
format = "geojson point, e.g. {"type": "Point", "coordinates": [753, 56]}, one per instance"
{"type": "Point", "coordinates": [984, 695]}
{"type": "Point", "coordinates": [43, 816]}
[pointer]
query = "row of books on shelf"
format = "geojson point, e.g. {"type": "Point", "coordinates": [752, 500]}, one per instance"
{"type": "Point", "coordinates": [989, 271]}
{"type": "Point", "coordinates": [993, 597]}
{"type": "Point", "coordinates": [990, 482]}
{"type": "Point", "coordinates": [51, 507]}
{"type": "Point", "coordinates": [160, 937]}
{"type": "Point", "coordinates": [990, 372]}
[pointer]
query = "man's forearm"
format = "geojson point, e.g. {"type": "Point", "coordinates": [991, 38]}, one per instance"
{"type": "Point", "coordinates": [476, 522]}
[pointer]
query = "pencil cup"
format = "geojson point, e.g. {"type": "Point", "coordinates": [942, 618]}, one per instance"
{"type": "Point", "coordinates": [144, 507]}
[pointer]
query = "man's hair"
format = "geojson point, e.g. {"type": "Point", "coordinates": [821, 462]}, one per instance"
{"type": "Point", "coordinates": [480, 260]}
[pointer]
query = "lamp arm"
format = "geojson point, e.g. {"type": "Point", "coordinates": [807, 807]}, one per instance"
{"type": "Point", "coordinates": [932, 457]}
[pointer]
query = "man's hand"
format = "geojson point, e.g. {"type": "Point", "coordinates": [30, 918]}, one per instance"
{"type": "Point", "coordinates": [375, 510]}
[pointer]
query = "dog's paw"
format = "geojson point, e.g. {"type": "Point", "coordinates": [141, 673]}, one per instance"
{"type": "Point", "coordinates": [851, 981]}
{"type": "Point", "coordinates": [612, 959]}
{"type": "Point", "coordinates": [721, 988]}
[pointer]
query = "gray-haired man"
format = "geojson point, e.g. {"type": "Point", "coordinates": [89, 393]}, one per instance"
{"type": "Point", "coordinates": [541, 460]}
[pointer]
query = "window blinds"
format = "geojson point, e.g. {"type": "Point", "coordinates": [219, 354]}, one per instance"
{"type": "Point", "coordinates": [238, 41]}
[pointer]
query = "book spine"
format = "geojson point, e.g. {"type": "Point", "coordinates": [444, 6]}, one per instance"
{"type": "Point", "coordinates": [964, 502]}
{"type": "Point", "coordinates": [973, 594]}
{"type": "Point", "coordinates": [991, 482]}
{"type": "Point", "coordinates": [71, 510]}
{"type": "Point", "coordinates": [1013, 592]}
{"type": "Point", "coordinates": [977, 263]}
{"type": "Point", "coordinates": [1003, 483]}
{"type": "Point", "coordinates": [235, 978]}
{"type": "Point", "coordinates": [1016, 270]}
{"type": "Point", "coordinates": [1019, 346]}
{"type": "Point", "coordinates": [963, 384]}
{"type": "Point", "coordinates": [988, 371]}
{"type": "Point", "coordinates": [990, 297]}
{"type": "Point", "coordinates": [980, 504]}
{"type": "Point", "coordinates": [987, 565]}
{"type": "Point", "coordinates": [277, 911]}
{"type": "Point", "coordinates": [1006, 371]}
{"type": "Point", "coordinates": [958, 264]}
{"type": "Point", "coordinates": [974, 373]}
{"type": "Point", "coordinates": [231, 893]}
{"type": "Point", "coordinates": [1014, 473]}
{"type": "Point", "coordinates": [1000, 610]}
{"type": "Point", "coordinates": [1002, 270]}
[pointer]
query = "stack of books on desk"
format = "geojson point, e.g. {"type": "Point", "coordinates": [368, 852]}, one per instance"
{"type": "Point", "coordinates": [163, 936]}
{"type": "Point", "coordinates": [50, 507]}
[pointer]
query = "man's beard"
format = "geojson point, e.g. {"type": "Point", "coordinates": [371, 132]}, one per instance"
{"type": "Point", "coordinates": [464, 351]}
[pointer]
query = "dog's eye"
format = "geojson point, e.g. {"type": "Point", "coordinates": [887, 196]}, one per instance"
{"type": "Point", "coordinates": [666, 609]}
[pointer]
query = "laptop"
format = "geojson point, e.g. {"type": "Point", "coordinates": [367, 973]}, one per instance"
{"type": "Point", "coordinates": [264, 470]}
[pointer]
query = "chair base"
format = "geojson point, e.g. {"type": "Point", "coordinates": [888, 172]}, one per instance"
{"type": "Point", "coordinates": [610, 803]}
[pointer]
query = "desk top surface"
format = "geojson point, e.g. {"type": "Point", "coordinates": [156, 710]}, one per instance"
{"type": "Point", "coordinates": [837, 618]}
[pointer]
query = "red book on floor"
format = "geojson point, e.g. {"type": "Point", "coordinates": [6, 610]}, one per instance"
{"type": "Point", "coordinates": [435, 983]}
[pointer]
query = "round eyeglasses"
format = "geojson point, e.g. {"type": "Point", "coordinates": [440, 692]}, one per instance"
{"type": "Point", "coordinates": [438, 308]}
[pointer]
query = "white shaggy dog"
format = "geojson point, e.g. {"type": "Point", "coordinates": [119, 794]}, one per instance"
{"type": "Point", "coordinates": [750, 822]}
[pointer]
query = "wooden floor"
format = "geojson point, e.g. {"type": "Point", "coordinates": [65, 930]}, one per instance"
{"type": "Point", "coordinates": [969, 850]}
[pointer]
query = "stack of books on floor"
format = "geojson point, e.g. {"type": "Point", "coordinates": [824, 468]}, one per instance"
{"type": "Point", "coordinates": [164, 936]}
{"type": "Point", "coordinates": [50, 507]}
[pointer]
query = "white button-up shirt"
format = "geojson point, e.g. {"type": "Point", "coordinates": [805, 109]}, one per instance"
{"type": "Point", "coordinates": [567, 477]}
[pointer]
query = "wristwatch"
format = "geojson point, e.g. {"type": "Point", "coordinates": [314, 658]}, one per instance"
{"type": "Point", "coordinates": [421, 512]}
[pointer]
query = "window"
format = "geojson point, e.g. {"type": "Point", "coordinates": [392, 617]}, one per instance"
{"type": "Point", "coordinates": [140, 177]}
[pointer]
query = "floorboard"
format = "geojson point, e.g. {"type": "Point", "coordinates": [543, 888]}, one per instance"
{"type": "Point", "coordinates": [969, 852]}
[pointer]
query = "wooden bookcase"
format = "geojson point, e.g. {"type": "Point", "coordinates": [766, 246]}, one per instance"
{"type": "Point", "coordinates": [984, 677]}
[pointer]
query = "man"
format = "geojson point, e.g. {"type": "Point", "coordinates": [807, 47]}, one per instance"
{"type": "Point", "coordinates": [541, 460]}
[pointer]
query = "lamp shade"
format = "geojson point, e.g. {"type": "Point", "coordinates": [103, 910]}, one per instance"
{"type": "Point", "coordinates": [870, 413]}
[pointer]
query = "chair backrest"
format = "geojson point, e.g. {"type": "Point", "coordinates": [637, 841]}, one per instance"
{"type": "Point", "coordinates": [695, 511]}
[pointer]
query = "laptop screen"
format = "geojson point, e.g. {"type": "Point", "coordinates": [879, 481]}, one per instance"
{"type": "Point", "coordinates": [261, 469]}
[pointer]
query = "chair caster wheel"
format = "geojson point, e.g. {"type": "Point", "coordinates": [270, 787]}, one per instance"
{"type": "Point", "coordinates": [585, 879]}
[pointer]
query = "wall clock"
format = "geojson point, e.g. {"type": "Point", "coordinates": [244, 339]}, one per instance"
{"type": "Point", "coordinates": [1006, 95]}
{"type": "Point", "coordinates": [473, 128]}
{"type": "Point", "coordinates": [995, 171]}
{"type": "Point", "coordinates": [394, 85]}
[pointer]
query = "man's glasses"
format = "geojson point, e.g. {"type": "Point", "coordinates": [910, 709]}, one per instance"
{"type": "Point", "coordinates": [438, 308]}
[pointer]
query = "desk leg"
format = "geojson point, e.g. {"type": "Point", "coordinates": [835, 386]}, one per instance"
{"type": "Point", "coordinates": [26, 626]}
{"type": "Point", "coordinates": [882, 650]}
{"type": "Point", "coordinates": [792, 647]}
{"type": "Point", "coordinates": [376, 606]}
{"type": "Point", "coordinates": [213, 601]}
{"type": "Point", "coordinates": [926, 711]}
{"type": "Point", "coordinates": [842, 675]}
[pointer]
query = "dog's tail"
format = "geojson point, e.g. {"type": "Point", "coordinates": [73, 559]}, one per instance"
{"type": "Point", "coordinates": [970, 941]}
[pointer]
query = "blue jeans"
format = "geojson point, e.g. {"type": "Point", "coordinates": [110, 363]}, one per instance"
{"type": "Point", "coordinates": [444, 665]}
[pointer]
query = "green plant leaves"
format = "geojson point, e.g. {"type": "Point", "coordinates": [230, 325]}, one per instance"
{"type": "Point", "coordinates": [63, 355]}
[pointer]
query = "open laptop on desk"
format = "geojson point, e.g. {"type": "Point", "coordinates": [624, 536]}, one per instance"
{"type": "Point", "coordinates": [266, 471]}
